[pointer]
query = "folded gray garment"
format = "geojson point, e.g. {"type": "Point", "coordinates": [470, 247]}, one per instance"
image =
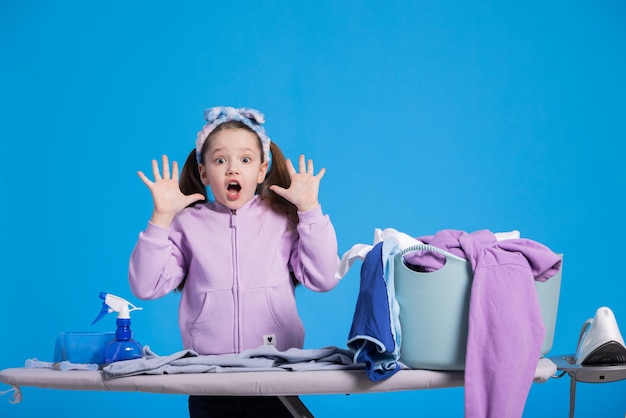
{"type": "Point", "coordinates": [263, 358]}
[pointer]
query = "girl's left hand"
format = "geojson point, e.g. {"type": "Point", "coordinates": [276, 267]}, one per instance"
{"type": "Point", "coordinates": [304, 188]}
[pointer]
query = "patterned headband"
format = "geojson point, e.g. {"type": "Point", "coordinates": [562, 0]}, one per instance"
{"type": "Point", "coordinates": [252, 118]}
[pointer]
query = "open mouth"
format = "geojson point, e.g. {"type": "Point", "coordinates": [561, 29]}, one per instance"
{"type": "Point", "coordinates": [233, 189]}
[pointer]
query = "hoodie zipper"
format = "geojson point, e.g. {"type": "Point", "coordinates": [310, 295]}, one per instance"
{"type": "Point", "coordinates": [236, 290]}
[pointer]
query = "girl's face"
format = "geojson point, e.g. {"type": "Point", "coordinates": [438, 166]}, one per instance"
{"type": "Point", "coordinates": [232, 167]}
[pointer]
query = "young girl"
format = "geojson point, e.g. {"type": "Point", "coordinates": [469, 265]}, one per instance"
{"type": "Point", "coordinates": [236, 259]}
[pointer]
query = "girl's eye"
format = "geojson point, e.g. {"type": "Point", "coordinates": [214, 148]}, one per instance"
{"type": "Point", "coordinates": [219, 161]}
{"type": "Point", "coordinates": [246, 159]}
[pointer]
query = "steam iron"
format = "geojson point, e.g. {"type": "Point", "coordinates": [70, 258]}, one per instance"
{"type": "Point", "coordinates": [600, 342]}
{"type": "Point", "coordinates": [600, 356]}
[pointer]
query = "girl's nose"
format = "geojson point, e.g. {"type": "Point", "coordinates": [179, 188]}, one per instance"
{"type": "Point", "coordinates": [232, 169]}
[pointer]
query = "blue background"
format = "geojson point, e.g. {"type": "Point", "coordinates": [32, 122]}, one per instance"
{"type": "Point", "coordinates": [427, 116]}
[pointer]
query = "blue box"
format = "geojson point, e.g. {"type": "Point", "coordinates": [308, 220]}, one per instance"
{"type": "Point", "coordinates": [82, 347]}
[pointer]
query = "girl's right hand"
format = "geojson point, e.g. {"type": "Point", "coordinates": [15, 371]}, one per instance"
{"type": "Point", "coordinates": [166, 194]}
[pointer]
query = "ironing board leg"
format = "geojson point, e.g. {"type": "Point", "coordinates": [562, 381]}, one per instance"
{"type": "Point", "coordinates": [295, 406]}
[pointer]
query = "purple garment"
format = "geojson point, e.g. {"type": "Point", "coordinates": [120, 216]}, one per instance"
{"type": "Point", "coordinates": [238, 292]}
{"type": "Point", "coordinates": [505, 324]}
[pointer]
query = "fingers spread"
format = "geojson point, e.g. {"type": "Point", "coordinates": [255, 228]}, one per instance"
{"type": "Point", "coordinates": [306, 166]}
{"type": "Point", "coordinates": [290, 168]}
{"type": "Point", "coordinates": [166, 167]}
{"type": "Point", "coordinates": [144, 178]}
{"type": "Point", "coordinates": [278, 190]}
{"type": "Point", "coordinates": [175, 170]}
{"type": "Point", "coordinates": [310, 168]}
{"type": "Point", "coordinates": [301, 165]}
{"type": "Point", "coordinates": [155, 170]}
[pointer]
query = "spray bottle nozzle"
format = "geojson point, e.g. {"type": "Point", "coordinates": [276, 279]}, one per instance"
{"type": "Point", "coordinates": [114, 303]}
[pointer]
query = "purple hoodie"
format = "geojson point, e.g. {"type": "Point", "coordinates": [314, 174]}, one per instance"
{"type": "Point", "coordinates": [506, 329]}
{"type": "Point", "coordinates": [238, 291]}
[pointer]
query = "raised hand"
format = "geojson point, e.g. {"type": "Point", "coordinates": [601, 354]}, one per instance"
{"type": "Point", "coordinates": [166, 194]}
{"type": "Point", "coordinates": [304, 189]}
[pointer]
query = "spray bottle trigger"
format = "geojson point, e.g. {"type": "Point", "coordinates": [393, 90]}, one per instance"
{"type": "Point", "coordinates": [105, 310]}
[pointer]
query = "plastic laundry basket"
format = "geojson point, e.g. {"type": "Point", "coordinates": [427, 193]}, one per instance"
{"type": "Point", "coordinates": [434, 309]}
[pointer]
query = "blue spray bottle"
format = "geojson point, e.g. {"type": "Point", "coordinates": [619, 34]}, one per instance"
{"type": "Point", "coordinates": [123, 347]}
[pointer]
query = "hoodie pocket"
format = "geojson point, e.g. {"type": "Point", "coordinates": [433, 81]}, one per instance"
{"type": "Point", "coordinates": [213, 329]}
{"type": "Point", "coordinates": [284, 312]}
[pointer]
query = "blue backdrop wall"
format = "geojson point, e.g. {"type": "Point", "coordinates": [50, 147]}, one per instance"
{"type": "Point", "coordinates": [427, 116]}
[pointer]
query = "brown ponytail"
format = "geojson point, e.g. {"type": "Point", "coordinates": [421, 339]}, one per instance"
{"type": "Point", "coordinates": [278, 175]}
{"type": "Point", "coordinates": [190, 181]}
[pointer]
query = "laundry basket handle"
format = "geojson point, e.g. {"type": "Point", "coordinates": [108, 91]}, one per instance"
{"type": "Point", "coordinates": [426, 247]}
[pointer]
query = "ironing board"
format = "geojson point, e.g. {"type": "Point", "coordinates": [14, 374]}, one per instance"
{"type": "Point", "coordinates": [285, 384]}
